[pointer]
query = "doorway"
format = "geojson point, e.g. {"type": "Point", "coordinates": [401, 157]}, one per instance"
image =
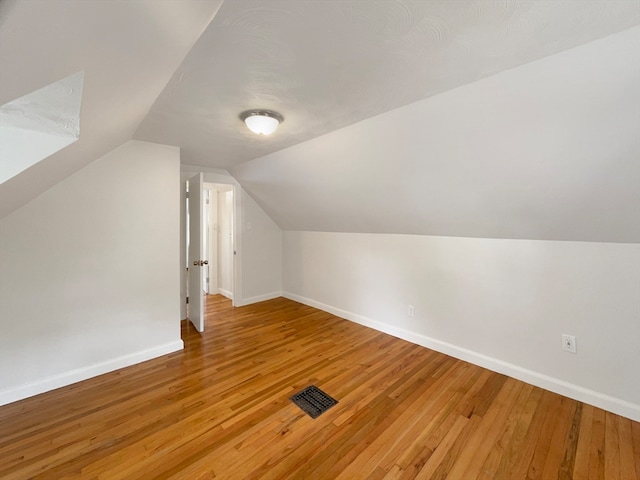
{"type": "Point", "coordinates": [210, 244]}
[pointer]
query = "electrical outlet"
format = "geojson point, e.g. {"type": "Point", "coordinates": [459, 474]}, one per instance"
{"type": "Point", "coordinates": [569, 343]}
{"type": "Point", "coordinates": [411, 311]}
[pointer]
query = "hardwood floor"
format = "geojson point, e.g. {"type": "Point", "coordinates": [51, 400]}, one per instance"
{"type": "Point", "coordinates": [221, 409]}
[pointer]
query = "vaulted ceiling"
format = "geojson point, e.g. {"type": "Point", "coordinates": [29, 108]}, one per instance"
{"type": "Point", "coordinates": [507, 119]}
{"type": "Point", "coordinates": [328, 64]}
{"type": "Point", "coordinates": [128, 52]}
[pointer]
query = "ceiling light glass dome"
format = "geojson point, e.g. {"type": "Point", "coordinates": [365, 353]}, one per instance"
{"type": "Point", "coordinates": [262, 122]}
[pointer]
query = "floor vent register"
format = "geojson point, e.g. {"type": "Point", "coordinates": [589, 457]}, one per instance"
{"type": "Point", "coordinates": [313, 401]}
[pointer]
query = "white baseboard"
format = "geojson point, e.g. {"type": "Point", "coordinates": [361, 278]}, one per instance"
{"type": "Point", "coordinates": [576, 392]}
{"type": "Point", "coordinates": [258, 298]}
{"type": "Point", "coordinates": [67, 378]}
{"type": "Point", "coordinates": [225, 293]}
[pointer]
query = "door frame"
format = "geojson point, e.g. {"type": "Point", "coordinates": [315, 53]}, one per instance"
{"type": "Point", "coordinates": [211, 175]}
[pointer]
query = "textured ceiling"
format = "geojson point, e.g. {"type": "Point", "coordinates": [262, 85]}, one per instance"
{"type": "Point", "coordinates": [507, 119]}
{"type": "Point", "coordinates": [51, 109]}
{"type": "Point", "coordinates": [128, 51]}
{"type": "Point", "coordinates": [547, 151]}
{"type": "Point", "coordinates": [37, 125]}
{"type": "Point", "coordinates": [328, 64]}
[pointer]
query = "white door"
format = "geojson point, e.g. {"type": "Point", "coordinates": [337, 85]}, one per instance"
{"type": "Point", "coordinates": [195, 310]}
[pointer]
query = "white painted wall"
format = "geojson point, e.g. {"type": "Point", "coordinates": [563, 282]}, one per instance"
{"type": "Point", "coordinates": [225, 241]}
{"type": "Point", "coordinates": [502, 304]}
{"type": "Point", "coordinates": [212, 239]}
{"type": "Point", "coordinates": [89, 277]}
{"type": "Point", "coordinates": [262, 253]}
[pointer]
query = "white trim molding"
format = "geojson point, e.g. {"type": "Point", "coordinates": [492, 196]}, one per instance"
{"type": "Point", "coordinates": [576, 392]}
{"type": "Point", "coordinates": [258, 298]}
{"type": "Point", "coordinates": [226, 293]}
{"type": "Point", "coordinates": [67, 378]}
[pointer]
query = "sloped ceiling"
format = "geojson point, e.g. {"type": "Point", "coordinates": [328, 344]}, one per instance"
{"type": "Point", "coordinates": [38, 124]}
{"type": "Point", "coordinates": [549, 150]}
{"type": "Point", "coordinates": [509, 119]}
{"type": "Point", "coordinates": [518, 122]}
{"type": "Point", "coordinates": [328, 64]}
{"type": "Point", "coordinates": [128, 51]}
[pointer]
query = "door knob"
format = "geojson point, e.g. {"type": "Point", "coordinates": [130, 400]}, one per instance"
{"type": "Point", "coordinates": [205, 262]}
{"type": "Point", "coordinates": [196, 263]}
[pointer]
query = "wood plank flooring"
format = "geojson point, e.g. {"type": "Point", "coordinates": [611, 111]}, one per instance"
{"type": "Point", "coordinates": [220, 409]}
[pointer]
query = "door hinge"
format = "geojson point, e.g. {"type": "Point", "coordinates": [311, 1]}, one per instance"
{"type": "Point", "coordinates": [187, 299]}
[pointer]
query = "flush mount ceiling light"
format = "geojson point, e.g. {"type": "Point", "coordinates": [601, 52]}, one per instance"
{"type": "Point", "coordinates": [262, 122]}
